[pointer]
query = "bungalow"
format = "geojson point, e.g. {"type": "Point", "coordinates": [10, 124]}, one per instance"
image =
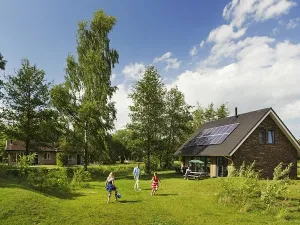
{"type": "Point", "coordinates": [44, 155]}
{"type": "Point", "coordinates": [258, 135]}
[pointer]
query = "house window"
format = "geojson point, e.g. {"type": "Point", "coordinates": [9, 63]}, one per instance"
{"type": "Point", "coordinates": [262, 137]}
{"type": "Point", "coordinates": [271, 137]}
{"type": "Point", "coordinates": [47, 156]}
{"type": "Point", "coordinates": [70, 157]}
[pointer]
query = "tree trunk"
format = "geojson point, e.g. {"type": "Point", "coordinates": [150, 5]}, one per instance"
{"type": "Point", "coordinates": [27, 147]}
{"type": "Point", "coordinates": [85, 157]}
{"type": "Point", "coordinates": [85, 149]}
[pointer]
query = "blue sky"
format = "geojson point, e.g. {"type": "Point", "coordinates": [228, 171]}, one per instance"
{"type": "Point", "coordinates": [249, 56]}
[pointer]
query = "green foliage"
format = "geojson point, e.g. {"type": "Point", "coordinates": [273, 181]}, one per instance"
{"type": "Point", "coordinates": [176, 123]}
{"type": "Point", "coordinates": [2, 62]}
{"type": "Point", "coordinates": [26, 107]}
{"type": "Point", "coordinates": [85, 96]}
{"type": "Point", "coordinates": [81, 178]}
{"type": "Point", "coordinates": [280, 173]}
{"type": "Point", "coordinates": [204, 115]}
{"type": "Point", "coordinates": [243, 187]}
{"type": "Point", "coordinates": [62, 159]}
{"type": "Point", "coordinates": [23, 165]}
{"type": "Point", "coordinates": [147, 111]}
{"type": "Point", "coordinates": [42, 177]}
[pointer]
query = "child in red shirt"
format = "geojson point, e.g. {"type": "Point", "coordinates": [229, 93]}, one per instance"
{"type": "Point", "coordinates": [155, 180]}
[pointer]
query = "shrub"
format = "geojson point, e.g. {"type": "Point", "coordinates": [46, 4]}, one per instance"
{"type": "Point", "coordinates": [282, 174]}
{"type": "Point", "coordinates": [23, 164]}
{"type": "Point", "coordinates": [243, 187]}
{"type": "Point", "coordinates": [80, 178]}
{"type": "Point", "coordinates": [48, 178]}
{"type": "Point", "coordinates": [62, 159]}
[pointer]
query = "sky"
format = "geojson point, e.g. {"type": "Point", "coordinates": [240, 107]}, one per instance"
{"type": "Point", "coordinates": [245, 53]}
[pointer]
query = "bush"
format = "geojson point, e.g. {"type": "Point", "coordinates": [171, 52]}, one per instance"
{"type": "Point", "coordinates": [282, 174]}
{"type": "Point", "coordinates": [23, 164]}
{"type": "Point", "coordinates": [62, 159]}
{"type": "Point", "coordinates": [80, 178]}
{"type": "Point", "coordinates": [243, 187]}
{"type": "Point", "coordinates": [48, 178]}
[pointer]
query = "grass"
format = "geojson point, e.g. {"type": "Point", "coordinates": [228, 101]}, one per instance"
{"type": "Point", "coordinates": [178, 201]}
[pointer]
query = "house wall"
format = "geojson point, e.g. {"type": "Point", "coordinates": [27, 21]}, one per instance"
{"type": "Point", "coordinates": [73, 161]}
{"type": "Point", "coordinates": [13, 157]}
{"type": "Point", "coordinates": [267, 156]}
{"type": "Point", "coordinates": [213, 166]}
{"type": "Point", "coordinates": [51, 161]}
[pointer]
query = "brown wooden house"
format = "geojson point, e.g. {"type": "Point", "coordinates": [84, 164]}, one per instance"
{"type": "Point", "coordinates": [259, 135]}
{"type": "Point", "coordinates": [44, 155]}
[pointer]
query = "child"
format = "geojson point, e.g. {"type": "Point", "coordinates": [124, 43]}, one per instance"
{"type": "Point", "coordinates": [155, 180]}
{"type": "Point", "coordinates": [110, 186]}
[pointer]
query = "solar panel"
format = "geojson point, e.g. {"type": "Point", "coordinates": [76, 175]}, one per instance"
{"type": "Point", "coordinates": [213, 136]}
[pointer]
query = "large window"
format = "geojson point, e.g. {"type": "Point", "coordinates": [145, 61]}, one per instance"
{"type": "Point", "coordinates": [262, 136]}
{"type": "Point", "coordinates": [47, 156]}
{"type": "Point", "coordinates": [271, 137]}
{"type": "Point", "coordinates": [70, 157]}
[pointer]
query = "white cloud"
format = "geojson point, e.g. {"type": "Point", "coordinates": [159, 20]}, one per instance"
{"type": "Point", "coordinates": [113, 76]}
{"type": "Point", "coordinates": [162, 58]}
{"type": "Point", "coordinates": [238, 11]}
{"type": "Point", "coordinates": [290, 110]}
{"type": "Point", "coordinates": [293, 23]}
{"type": "Point", "coordinates": [134, 71]}
{"type": "Point", "coordinates": [172, 63]}
{"type": "Point", "coordinates": [202, 44]}
{"type": "Point", "coordinates": [193, 51]}
{"type": "Point", "coordinates": [122, 104]}
{"type": "Point", "coordinates": [224, 33]}
{"type": "Point", "coordinates": [261, 76]}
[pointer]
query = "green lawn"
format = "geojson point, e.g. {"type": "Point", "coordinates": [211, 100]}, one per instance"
{"type": "Point", "coordinates": [178, 202]}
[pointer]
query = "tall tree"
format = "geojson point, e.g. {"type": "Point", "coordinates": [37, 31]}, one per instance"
{"type": "Point", "coordinates": [85, 96]}
{"type": "Point", "coordinates": [2, 62]}
{"type": "Point", "coordinates": [204, 115]}
{"type": "Point", "coordinates": [26, 109]}
{"type": "Point", "coordinates": [177, 117]}
{"type": "Point", "coordinates": [147, 111]}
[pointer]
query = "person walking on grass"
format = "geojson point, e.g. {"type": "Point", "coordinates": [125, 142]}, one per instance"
{"type": "Point", "coordinates": [110, 186]}
{"type": "Point", "coordinates": [155, 184]}
{"type": "Point", "coordinates": [136, 176]}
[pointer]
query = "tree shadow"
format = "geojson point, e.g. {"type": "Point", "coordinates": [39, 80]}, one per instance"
{"type": "Point", "coordinates": [166, 194]}
{"type": "Point", "coordinates": [129, 201]}
{"type": "Point", "coordinates": [49, 192]}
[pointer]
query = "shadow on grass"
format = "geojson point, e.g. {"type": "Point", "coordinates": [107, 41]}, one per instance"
{"type": "Point", "coordinates": [49, 192]}
{"type": "Point", "coordinates": [129, 201]}
{"type": "Point", "coordinates": [166, 194]}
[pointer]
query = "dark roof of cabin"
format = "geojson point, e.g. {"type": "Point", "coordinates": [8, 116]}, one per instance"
{"type": "Point", "coordinates": [246, 122]}
{"type": "Point", "coordinates": [16, 145]}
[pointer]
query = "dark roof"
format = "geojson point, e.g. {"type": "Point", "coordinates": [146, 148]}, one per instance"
{"type": "Point", "coordinates": [16, 145]}
{"type": "Point", "coordinates": [246, 122]}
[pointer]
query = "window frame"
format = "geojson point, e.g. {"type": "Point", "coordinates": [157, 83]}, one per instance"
{"type": "Point", "coordinates": [48, 156]}
{"type": "Point", "coordinates": [265, 136]}
{"type": "Point", "coordinates": [273, 133]}
{"type": "Point", "coordinates": [70, 157]}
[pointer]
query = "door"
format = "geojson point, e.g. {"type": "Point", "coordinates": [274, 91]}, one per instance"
{"type": "Point", "coordinates": [36, 159]}
{"type": "Point", "coordinates": [78, 160]}
{"type": "Point", "coordinates": [222, 164]}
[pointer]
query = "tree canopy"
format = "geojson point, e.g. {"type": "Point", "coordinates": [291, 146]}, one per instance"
{"type": "Point", "coordinates": [85, 96]}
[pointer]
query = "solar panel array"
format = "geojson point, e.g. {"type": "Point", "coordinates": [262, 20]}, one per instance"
{"type": "Point", "coordinates": [213, 136]}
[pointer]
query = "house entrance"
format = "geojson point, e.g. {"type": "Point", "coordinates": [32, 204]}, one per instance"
{"type": "Point", "coordinates": [36, 159]}
{"type": "Point", "coordinates": [222, 164]}
{"type": "Point", "coordinates": [78, 160]}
